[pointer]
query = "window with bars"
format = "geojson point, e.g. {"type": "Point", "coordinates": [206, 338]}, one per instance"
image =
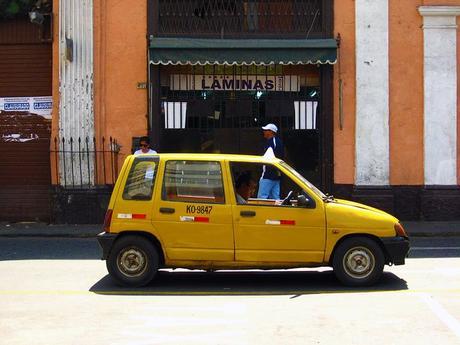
{"type": "Point", "coordinates": [236, 18]}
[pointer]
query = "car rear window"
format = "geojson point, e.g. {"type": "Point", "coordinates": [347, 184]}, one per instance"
{"type": "Point", "coordinates": [141, 179]}
{"type": "Point", "coordinates": [193, 181]}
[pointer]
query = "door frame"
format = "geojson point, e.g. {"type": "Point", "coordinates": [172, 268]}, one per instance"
{"type": "Point", "coordinates": [326, 123]}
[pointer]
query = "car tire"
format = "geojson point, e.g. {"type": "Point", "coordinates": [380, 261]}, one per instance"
{"type": "Point", "coordinates": [133, 261]}
{"type": "Point", "coordinates": [358, 261]}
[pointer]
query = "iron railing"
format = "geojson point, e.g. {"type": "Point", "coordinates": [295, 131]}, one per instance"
{"type": "Point", "coordinates": [227, 18]}
{"type": "Point", "coordinates": [84, 162]}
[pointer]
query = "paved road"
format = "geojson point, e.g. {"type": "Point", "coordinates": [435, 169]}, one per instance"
{"type": "Point", "coordinates": [55, 291]}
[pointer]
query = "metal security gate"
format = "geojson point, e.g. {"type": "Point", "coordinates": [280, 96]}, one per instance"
{"type": "Point", "coordinates": [25, 90]}
{"type": "Point", "coordinates": [24, 167]}
{"type": "Point", "coordinates": [221, 109]}
{"type": "Point", "coordinates": [220, 69]}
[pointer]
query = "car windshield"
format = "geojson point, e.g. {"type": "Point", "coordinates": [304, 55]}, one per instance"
{"type": "Point", "coordinates": [304, 180]}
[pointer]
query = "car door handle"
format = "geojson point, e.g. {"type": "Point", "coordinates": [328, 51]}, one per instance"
{"type": "Point", "coordinates": [247, 213]}
{"type": "Point", "coordinates": [167, 210]}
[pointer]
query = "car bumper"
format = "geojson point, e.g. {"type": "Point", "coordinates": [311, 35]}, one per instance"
{"type": "Point", "coordinates": [397, 249]}
{"type": "Point", "coordinates": [106, 241]}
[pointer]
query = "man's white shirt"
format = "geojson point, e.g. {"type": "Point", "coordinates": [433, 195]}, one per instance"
{"type": "Point", "coordinates": [150, 151]}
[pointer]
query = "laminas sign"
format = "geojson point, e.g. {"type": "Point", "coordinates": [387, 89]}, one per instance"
{"type": "Point", "coordinates": [199, 82]}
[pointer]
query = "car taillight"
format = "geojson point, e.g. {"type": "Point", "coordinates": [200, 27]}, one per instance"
{"type": "Point", "coordinates": [400, 230]}
{"type": "Point", "coordinates": [107, 220]}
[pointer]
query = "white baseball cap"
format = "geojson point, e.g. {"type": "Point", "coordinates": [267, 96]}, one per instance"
{"type": "Point", "coordinates": [270, 127]}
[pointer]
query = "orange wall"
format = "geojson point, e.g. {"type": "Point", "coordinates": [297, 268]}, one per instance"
{"type": "Point", "coordinates": [405, 87]}
{"type": "Point", "coordinates": [344, 139]}
{"type": "Point", "coordinates": [55, 89]}
{"type": "Point", "coordinates": [406, 93]}
{"type": "Point", "coordinates": [120, 63]}
{"type": "Point", "coordinates": [439, 3]}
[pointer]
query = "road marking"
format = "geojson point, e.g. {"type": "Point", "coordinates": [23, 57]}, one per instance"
{"type": "Point", "coordinates": [442, 314]}
{"type": "Point", "coordinates": [434, 248]}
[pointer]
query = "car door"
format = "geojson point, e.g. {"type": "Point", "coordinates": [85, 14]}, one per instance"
{"type": "Point", "coordinates": [266, 232]}
{"type": "Point", "coordinates": [191, 214]}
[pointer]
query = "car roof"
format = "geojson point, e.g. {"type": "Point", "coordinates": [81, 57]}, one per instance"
{"type": "Point", "coordinates": [213, 156]}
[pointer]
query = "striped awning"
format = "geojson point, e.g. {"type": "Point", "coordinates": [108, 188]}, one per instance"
{"type": "Point", "coordinates": [192, 51]}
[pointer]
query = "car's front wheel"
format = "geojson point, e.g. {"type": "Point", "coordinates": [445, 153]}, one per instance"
{"type": "Point", "coordinates": [133, 261]}
{"type": "Point", "coordinates": [358, 261]}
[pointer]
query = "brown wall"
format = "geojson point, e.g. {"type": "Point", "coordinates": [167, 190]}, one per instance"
{"type": "Point", "coordinates": [344, 139]}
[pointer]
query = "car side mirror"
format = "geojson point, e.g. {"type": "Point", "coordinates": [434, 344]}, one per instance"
{"type": "Point", "coordinates": [303, 201]}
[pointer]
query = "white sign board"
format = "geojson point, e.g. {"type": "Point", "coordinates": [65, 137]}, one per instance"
{"type": "Point", "coordinates": [200, 82]}
{"type": "Point", "coordinates": [35, 105]}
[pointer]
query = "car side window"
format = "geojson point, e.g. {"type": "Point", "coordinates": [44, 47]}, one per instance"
{"type": "Point", "coordinates": [279, 190]}
{"type": "Point", "coordinates": [193, 181]}
{"type": "Point", "coordinates": [141, 179]}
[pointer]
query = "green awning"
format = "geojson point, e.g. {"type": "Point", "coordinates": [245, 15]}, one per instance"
{"type": "Point", "coordinates": [192, 51]}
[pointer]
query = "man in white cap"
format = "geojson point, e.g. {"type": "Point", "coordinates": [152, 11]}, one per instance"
{"type": "Point", "coordinates": [269, 185]}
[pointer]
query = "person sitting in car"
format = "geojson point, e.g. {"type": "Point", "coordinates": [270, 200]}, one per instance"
{"type": "Point", "coordinates": [245, 187]}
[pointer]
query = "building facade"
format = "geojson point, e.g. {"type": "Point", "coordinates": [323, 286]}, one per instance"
{"type": "Point", "coordinates": [365, 93]}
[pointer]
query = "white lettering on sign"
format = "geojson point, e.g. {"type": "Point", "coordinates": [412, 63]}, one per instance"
{"type": "Point", "coordinates": [199, 82]}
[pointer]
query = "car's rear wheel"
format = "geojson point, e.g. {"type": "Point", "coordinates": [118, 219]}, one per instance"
{"type": "Point", "coordinates": [133, 261]}
{"type": "Point", "coordinates": [358, 261]}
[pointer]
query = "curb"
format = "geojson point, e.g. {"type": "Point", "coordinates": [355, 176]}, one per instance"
{"type": "Point", "coordinates": [48, 230]}
{"type": "Point", "coordinates": [433, 234]}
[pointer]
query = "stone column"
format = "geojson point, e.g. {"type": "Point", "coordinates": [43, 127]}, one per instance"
{"type": "Point", "coordinates": [372, 96]}
{"type": "Point", "coordinates": [440, 93]}
{"type": "Point", "coordinates": [76, 108]}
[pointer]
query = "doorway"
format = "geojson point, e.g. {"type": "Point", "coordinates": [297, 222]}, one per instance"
{"type": "Point", "coordinates": [221, 109]}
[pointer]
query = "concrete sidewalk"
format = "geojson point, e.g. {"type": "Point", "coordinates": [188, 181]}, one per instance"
{"type": "Point", "coordinates": [32, 229]}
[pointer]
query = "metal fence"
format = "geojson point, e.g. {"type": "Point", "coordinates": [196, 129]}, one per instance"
{"type": "Point", "coordinates": [85, 162]}
{"type": "Point", "coordinates": [239, 17]}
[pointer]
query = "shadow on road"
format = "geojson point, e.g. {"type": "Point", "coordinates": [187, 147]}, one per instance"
{"type": "Point", "coordinates": [245, 283]}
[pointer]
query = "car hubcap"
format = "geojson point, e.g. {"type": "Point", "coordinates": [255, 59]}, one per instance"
{"type": "Point", "coordinates": [359, 262]}
{"type": "Point", "coordinates": [132, 262]}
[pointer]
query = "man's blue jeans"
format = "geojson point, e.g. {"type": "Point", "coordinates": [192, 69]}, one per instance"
{"type": "Point", "coordinates": [269, 189]}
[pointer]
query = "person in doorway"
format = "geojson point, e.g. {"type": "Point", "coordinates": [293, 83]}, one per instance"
{"type": "Point", "coordinates": [245, 187]}
{"type": "Point", "coordinates": [269, 184]}
{"type": "Point", "coordinates": [144, 144]}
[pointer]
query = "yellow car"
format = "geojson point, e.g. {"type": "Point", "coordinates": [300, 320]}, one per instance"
{"type": "Point", "coordinates": [201, 211]}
